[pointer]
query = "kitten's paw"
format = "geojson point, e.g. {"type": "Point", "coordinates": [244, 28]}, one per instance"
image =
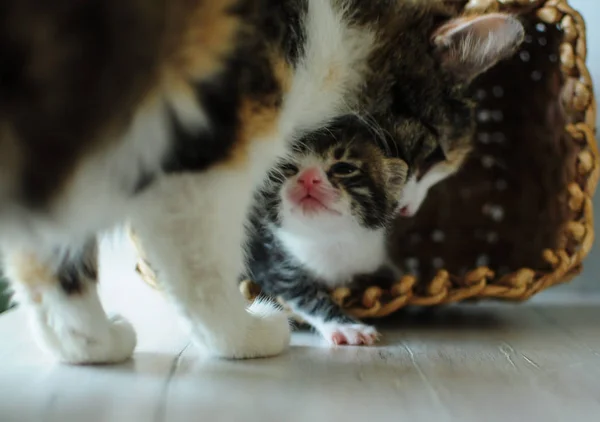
{"type": "Point", "coordinates": [349, 334]}
{"type": "Point", "coordinates": [267, 334]}
{"type": "Point", "coordinates": [108, 341]}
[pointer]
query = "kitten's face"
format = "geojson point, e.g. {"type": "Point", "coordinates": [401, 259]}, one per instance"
{"type": "Point", "coordinates": [338, 178]}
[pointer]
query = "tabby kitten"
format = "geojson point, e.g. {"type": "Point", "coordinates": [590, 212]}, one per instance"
{"type": "Point", "coordinates": [167, 114]}
{"type": "Point", "coordinates": [321, 219]}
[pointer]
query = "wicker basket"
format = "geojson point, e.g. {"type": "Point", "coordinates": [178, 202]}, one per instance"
{"type": "Point", "coordinates": [518, 218]}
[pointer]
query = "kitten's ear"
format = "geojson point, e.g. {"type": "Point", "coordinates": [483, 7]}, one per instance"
{"type": "Point", "coordinates": [468, 46]}
{"type": "Point", "coordinates": [395, 171]}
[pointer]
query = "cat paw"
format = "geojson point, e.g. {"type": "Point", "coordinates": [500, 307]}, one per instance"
{"type": "Point", "coordinates": [267, 334]}
{"type": "Point", "coordinates": [350, 334]}
{"type": "Point", "coordinates": [109, 341]}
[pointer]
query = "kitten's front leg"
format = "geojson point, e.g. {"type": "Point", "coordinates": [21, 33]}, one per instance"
{"type": "Point", "coordinates": [314, 304]}
{"type": "Point", "coordinates": [191, 228]}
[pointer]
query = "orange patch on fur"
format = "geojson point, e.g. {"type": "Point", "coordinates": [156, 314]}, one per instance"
{"type": "Point", "coordinates": [30, 271]}
{"type": "Point", "coordinates": [460, 152]}
{"type": "Point", "coordinates": [201, 34]}
{"type": "Point", "coordinates": [259, 118]}
{"type": "Point", "coordinates": [283, 74]}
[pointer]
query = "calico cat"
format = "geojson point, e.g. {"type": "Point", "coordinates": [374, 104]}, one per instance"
{"type": "Point", "coordinates": [168, 114]}
{"type": "Point", "coordinates": [321, 219]}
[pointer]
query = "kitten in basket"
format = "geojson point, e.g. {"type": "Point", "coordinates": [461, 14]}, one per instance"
{"type": "Point", "coordinates": [322, 217]}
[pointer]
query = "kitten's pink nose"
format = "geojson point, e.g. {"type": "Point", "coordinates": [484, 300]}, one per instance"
{"type": "Point", "coordinates": [310, 177]}
{"type": "Point", "coordinates": [405, 212]}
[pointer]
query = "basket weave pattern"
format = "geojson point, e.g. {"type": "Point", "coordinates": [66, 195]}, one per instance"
{"type": "Point", "coordinates": [518, 218]}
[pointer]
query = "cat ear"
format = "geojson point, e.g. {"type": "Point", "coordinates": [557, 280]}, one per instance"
{"type": "Point", "coordinates": [468, 46]}
{"type": "Point", "coordinates": [395, 172]}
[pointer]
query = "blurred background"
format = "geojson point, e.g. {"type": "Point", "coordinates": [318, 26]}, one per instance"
{"type": "Point", "coordinates": [121, 257]}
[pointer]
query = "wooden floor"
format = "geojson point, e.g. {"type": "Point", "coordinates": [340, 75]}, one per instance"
{"type": "Point", "coordinates": [533, 362]}
{"type": "Point", "coordinates": [538, 361]}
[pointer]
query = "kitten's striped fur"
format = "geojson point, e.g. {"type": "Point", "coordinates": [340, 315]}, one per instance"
{"type": "Point", "coordinates": [298, 255]}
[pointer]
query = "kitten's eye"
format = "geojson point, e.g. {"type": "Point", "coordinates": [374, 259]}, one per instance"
{"type": "Point", "coordinates": [343, 169]}
{"type": "Point", "coordinates": [289, 169]}
{"type": "Point", "coordinates": [435, 157]}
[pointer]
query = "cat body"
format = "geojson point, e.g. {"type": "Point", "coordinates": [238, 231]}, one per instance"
{"type": "Point", "coordinates": [167, 114]}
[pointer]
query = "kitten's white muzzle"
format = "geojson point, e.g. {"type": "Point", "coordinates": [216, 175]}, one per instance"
{"type": "Point", "coordinates": [413, 195]}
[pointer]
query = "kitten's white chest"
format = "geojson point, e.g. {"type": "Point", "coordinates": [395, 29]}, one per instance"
{"type": "Point", "coordinates": [336, 258]}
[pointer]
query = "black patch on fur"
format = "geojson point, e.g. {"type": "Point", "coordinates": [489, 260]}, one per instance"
{"type": "Point", "coordinates": [249, 75]}
{"type": "Point", "coordinates": [290, 36]}
{"type": "Point", "coordinates": [198, 151]}
{"type": "Point", "coordinates": [76, 270]}
{"type": "Point", "coordinates": [144, 181]}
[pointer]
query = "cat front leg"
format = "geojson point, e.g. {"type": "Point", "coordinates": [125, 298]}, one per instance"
{"type": "Point", "coordinates": [190, 227]}
{"type": "Point", "coordinates": [314, 305]}
{"type": "Point", "coordinates": [59, 292]}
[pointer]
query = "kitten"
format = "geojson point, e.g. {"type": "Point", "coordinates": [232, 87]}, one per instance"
{"type": "Point", "coordinates": [321, 219]}
{"type": "Point", "coordinates": [167, 114]}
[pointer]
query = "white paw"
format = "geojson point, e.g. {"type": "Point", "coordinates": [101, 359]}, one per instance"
{"type": "Point", "coordinates": [267, 333]}
{"type": "Point", "coordinates": [107, 341]}
{"type": "Point", "coordinates": [349, 334]}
